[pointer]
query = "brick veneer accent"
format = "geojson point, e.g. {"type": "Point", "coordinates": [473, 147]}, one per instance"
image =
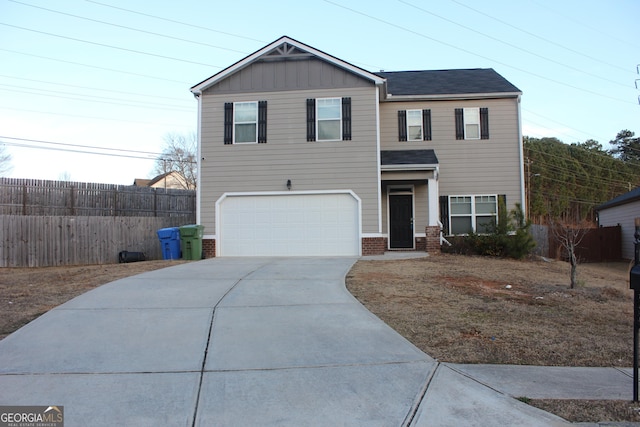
{"type": "Point", "coordinates": [433, 239]}
{"type": "Point", "coordinates": [370, 245]}
{"type": "Point", "coordinates": [374, 245]}
{"type": "Point", "coordinates": [209, 248]}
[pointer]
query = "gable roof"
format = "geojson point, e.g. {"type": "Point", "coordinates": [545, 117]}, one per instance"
{"type": "Point", "coordinates": [285, 45]}
{"type": "Point", "coordinates": [631, 196]}
{"type": "Point", "coordinates": [441, 83]}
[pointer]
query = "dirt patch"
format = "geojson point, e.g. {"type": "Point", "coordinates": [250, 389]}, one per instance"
{"type": "Point", "coordinates": [26, 293]}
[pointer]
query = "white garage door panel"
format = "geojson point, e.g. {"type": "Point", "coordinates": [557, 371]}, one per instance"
{"type": "Point", "coordinates": [289, 225]}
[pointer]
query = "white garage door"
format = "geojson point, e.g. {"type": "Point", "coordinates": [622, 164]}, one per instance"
{"type": "Point", "coordinates": [289, 225]}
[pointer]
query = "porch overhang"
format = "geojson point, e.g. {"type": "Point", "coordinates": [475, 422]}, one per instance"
{"type": "Point", "coordinates": [414, 165]}
{"type": "Point", "coordinates": [408, 165]}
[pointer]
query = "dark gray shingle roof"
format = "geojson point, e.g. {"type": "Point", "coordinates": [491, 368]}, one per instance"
{"type": "Point", "coordinates": [446, 82]}
{"type": "Point", "coordinates": [629, 197]}
{"type": "Point", "coordinates": [408, 157]}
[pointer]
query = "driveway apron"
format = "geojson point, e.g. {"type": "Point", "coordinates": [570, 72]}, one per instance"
{"type": "Point", "coordinates": [236, 342]}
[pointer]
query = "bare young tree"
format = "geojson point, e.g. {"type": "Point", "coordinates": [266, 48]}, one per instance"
{"type": "Point", "coordinates": [179, 155]}
{"type": "Point", "coordinates": [569, 235]}
{"type": "Point", "coordinates": [5, 161]}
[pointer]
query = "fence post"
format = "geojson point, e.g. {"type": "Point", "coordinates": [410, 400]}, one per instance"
{"type": "Point", "coordinates": [24, 199]}
{"type": "Point", "coordinates": [73, 201]}
{"type": "Point", "coordinates": [634, 283]}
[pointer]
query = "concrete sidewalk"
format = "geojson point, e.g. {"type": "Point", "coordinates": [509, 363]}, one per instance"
{"type": "Point", "coordinates": [246, 341]}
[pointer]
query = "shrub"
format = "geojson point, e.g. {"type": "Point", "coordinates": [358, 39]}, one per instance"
{"type": "Point", "coordinates": [511, 238]}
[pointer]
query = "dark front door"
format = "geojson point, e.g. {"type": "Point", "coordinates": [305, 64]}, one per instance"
{"type": "Point", "coordinates": [401, 221]}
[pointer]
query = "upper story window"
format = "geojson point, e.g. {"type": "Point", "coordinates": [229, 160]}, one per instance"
{"type": "Point", "coordinates": [414, 125]}
{"type": "Point", "coordinates": [472, 123]}
{"type": "Point", "coordinates": [245, 122]}
{"type": "Point", "coordinates": [329, 119]}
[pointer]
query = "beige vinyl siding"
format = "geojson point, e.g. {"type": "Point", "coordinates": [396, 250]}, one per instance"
{"type": "Point", "coordinates": [319, 165]}
{"type": "Point", "coordinates": [480, 166]}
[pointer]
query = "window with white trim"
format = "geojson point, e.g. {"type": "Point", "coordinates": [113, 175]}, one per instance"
{"type": "Point", "coordinates": [245, 122]}
{"type": "Point", "coordinates": [414, 125]}
{"type": "Point", "coordinates": [478, 214]}
{"type": "Point", "coordinates": [329, 119]}
{"type": "Point", "coordinates": [472, 123]}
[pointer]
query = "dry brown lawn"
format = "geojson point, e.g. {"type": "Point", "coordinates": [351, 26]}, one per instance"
{"type": "Point", "coordinates": [27, 293]}
{"type": "Point", "coordinates": [455, 308]}
{"type": "Point", "coordinates": [464, 309]}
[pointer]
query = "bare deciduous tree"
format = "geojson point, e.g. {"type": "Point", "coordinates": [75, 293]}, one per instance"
{"type": "Point", "coordinates": [5, 161]}
{"type": "Point", "coordinates": [569, 235]}
{"type": "Point", "coordinates": [179, 155]}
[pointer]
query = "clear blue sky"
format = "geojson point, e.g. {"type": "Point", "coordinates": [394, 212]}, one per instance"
{"type": "Point", "coordinates": [116, 73]}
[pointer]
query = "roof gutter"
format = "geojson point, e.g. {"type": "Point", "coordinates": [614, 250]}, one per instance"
{"type": "Point", "coordinates": [453, 97]}
{"type": "Point", "coordinates": [408, 167]}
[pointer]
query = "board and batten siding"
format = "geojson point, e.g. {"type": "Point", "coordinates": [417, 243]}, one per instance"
{"type": "Point", "coordinates": [287, 155]}
{"type": "Point", "coordinates": [479, 166]}
{"type": "Point", "coordinates": [288, 75]}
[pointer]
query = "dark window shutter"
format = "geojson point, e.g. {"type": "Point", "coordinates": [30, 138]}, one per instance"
{"type": "Point", "coordinates": [311, 119]}
{"type": "Point", "coordinates": [459, 123]}
{"type": "Point", "coordinates": [402, 125]}
{"type": "Point", "coordinates": [262, 122]}
{"type": "Point", "coordinates": [228, 123]}
{"type": "Point", "coordinates": [484, 123]}
{"type": "Point", "coordinates": [346, 119]}
{"type": "Point", "coordinates": [444, 214]}
{"type": "Point", "coordinates": [426, 125]}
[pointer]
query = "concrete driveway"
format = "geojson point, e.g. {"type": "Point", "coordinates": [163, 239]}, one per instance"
{"type": "Point", "coordinates": [239, 342]}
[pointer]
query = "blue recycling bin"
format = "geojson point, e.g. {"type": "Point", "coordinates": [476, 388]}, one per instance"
{"type": "Point", "coordinates": [170, 242]}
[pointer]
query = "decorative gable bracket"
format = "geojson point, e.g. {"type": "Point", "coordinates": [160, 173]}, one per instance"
{"type": "Point", "coordinates": [286, 51]}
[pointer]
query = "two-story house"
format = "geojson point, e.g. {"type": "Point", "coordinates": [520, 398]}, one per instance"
{"type": "Point", "coordinates": [304, 154]}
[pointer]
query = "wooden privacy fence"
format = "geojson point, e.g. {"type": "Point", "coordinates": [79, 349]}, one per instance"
{"type": "Point", "coordinates": [50, 223]}
{"type": "Point", "coordinates": [39, 197]}
{"type": "Point", "coordinates": [598, 245]}
{"type": "Point", "coordinates": [40, 241]}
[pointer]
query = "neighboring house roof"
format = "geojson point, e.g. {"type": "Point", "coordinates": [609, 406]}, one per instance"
{"type": "Point", "coordinates": [631, 196]}
{"type": "Point", "coordinates": [170, 179]}
{"type": "Point", "coordinates": [408, 157]}
{"type": "Point", "coordinates": [288, 46]}
{"type": "Point", "coordinates": [141, 182]}
{"type": "Point", "coordinates": [447, 82]}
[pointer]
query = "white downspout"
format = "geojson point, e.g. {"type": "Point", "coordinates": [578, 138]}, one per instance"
{"type": "Point", "coordinates": [523, 196]}
{"type": "Point", "coordinates": [199, 160]}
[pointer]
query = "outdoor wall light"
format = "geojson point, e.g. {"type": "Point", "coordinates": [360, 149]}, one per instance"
{"type": "Point", "coordinates": [288, 184]}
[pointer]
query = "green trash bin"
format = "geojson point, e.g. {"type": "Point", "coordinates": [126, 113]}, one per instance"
{"type": "Point", "coordinates": [191, 241]}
